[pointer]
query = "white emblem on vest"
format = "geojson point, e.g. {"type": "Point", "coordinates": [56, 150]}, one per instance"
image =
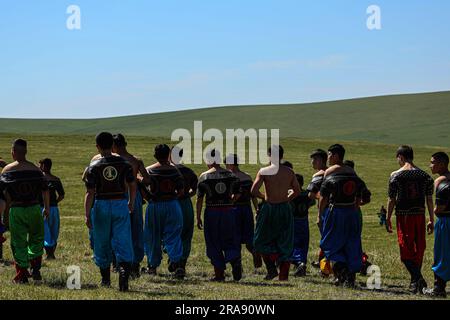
{"type": "Point", "coordinates": [110, 173]}
{"type": "Point", "coordinates": [221, 188]}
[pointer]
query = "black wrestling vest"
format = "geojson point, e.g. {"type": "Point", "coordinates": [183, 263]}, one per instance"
{"type": "Point", "coordinates": [301, 205]}
{"type": "Point", "coordinates": [246, 194]}
{"type": "Point", "coordinates": [218, 187]}
{"type": "Point", "coordinates": [443, 198]}
{"type": "Point", "coordinates": [315, 184]}
{"type": "Point", "coordinates": [342, 189]}
{"type": "Point", "coordinates": [109, 176]}
{"type": "Point", "coordinates": [55, 188]}
{"type": "Point", "coordinates": [190, 180]}
{"type": "Point", "coordinates": [409, 188]}
{"type": "Point", "coordinates": [164, 184]}
{"type": "Point", "coordinates": [23, 187]}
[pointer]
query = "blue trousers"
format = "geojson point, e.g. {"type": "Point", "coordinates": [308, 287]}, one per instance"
{"type": "Point", "coordinates": [301, 240]}
{"type": "Point", "coordinates": [51, 228]}
{"type": "Point", "coordinates": [341, 237]}
{"type": "Point", "coordinates": [163, 226]}
{"type": "Point", "coordinates": [137, 230]}
{"type": "Point", "coordinates": [221, 236]}
{"type": "Point", "coordinates": [188, 226]}
{"type": "Point", "coordinates": [245, 224]}
{"type": "Point", "coordinates": [111, 231]}
{"type": "Point", "coordinates": [441, 265]}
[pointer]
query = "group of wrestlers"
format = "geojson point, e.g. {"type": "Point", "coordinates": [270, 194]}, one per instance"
{"type": "Point", "coordinates": [118, 185]}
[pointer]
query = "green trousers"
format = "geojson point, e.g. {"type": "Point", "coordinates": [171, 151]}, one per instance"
{"type": "Point", "coordinates": [26, 225]}
{"type": "Point", "coordinates": [274, 232]}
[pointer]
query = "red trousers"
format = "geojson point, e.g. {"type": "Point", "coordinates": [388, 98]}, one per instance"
{"type": "Point", "coordinates": [411, 232]}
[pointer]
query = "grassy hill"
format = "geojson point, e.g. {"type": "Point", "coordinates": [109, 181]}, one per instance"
{"type": "Point", "coordinates": [413, 118]}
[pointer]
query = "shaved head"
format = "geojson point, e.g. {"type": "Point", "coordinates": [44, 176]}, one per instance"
{"type": "Point", "coordinates": [19, 147]}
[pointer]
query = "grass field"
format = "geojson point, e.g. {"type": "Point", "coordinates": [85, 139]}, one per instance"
{"type": "Point", "coordinates": [413, 118]}
{"type": "Point", "coordinates": [71, 154]}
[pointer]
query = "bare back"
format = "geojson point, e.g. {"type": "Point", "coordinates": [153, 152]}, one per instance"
{"type": "Point", "coordinates": [278, 185]}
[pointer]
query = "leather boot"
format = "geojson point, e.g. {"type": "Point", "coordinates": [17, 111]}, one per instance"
{"type": "Point", "coordinates": [284, 271]}
{"type": "Point", "coordinates": [236, 267]}
{"type": "Point", "coordinates": [272, 271]}
{"type": "Point", "coordinates": [219, 275]}
{"type": "Point", "coordinates": [36, 264]}
{"type": "Point", "coordinates": [106, 277]}
{"type": "Point", "coordinates": [124, 274]}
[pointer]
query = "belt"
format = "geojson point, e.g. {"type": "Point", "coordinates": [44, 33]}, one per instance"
{"type": "Point", "coordinates": [24, 204]}
{"type": "Point", "coordinates": [443, 214]}
{"type": "Point", "coordinates": [110, 197]}
{"type": "Point", "coordinates": [343, 205]}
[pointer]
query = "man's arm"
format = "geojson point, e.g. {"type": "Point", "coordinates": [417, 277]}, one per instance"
{"type": "Point", "coordinates": [295, 188]}
{"type": "Point", "coordinates": [430, 206]}
{"type": "Point", "coordinates": [143, 172]}
{"type": "Point", "coordinates": [199, 207]}
{"type": "Point", "coordinates": [390, 210]}
{"type": "Point", "coordinates": [88, 203]}
{"type": "Point", "coordinates": [323, 203]}
{"type": "Point", "coordinates": [257, 185]}
{"type": "Point", "coordinates": [132, 188]}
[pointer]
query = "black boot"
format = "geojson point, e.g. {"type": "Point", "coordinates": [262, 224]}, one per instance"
{"type": "Point", "coordinates": [272, 271]}
{"type": "Point", "coordinates": [106, 277]}
{"type": "Point", "coordinates": [418, 283]}
{"type": "Point", "coordinates": [36, 268]}
{"type": "Point", "coordinates": [439, 288]}
{"type": "Point", "coordinates": [236, 267]}
{"type": "Point", "coordinates": [135, 271]}
{"type": "Point", "coordinates": [1, 252]}
{"type": "Point", "coordinates": [124, 274]}
{"type": "Point", "coordinates": [50, 251]}
{"type": "Point", "coordinates": [350, 279]}
{"type": "Point", "coordinates": [115, 266]}
{"type": "Point", "coordinates": [340, 273]}
{"type": "Point", "coordinates": [300, 270]}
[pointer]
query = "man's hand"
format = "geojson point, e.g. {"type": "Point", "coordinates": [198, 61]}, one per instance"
{"type": "Point", "coordinates": [130, 207]}
{"type": "Point", "coordinates": [46, 213]}
{"type": "Point", "coordinates": [88, 222]}
{"type": "Point", "coordinates": [430, 227]}
{"type": "Point", "coordinates": [389, 225]}
{"type": "Point", "coordinates": [199, 223]}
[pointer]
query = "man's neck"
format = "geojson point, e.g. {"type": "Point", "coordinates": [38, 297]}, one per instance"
{"type": "Point", "coordinates": [122, 152]}
{"type": "Point", "coordinates": [106, 153]}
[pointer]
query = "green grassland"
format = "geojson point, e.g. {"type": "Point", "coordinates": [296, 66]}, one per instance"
{"type": "Point", "coordinates": [413, 118]}
{"type": "Point", "coordinates": [71, 154]}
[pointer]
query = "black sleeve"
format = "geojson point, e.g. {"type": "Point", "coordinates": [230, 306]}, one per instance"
{"type": "Point", "coordinates": [129, 176]}
{"type": "Point", "coordinates": [326, 188]}
{"type": "Point", "coordinates": [393, 188]}
{"type": "Point", "coordinates": [429, 186]}
{"type": "Point", "coordinates": [201, 189]}
{"type": "Point", "coordinates": [365, 193]}
{"type": "Point", "coordinates": [194, 181]}
{"type": "Point", "coordinates": [314, 185]}
{"type": "Point", "coordinates": [44, 183]}
{"type": "Point", "coordinates": [90, 179]}
{"type": "Point", "coordinates": [179, 182]}
{"type": "Point", "coordinates": [443, 195]}
{"type": "Point", "coordinates": [60, 188]}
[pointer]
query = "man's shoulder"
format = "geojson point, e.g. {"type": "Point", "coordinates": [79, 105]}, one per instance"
{"type": "Point", "coordinates": [244, 176]}
{"type": "Point", "coordinates": [319, 173]}
{"type": "Point", "coordinates": [440, 180]}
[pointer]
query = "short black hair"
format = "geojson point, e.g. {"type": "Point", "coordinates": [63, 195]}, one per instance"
{"type": "Point", "coordinates": [300, 179]}
{"type": "Point", "coordinates": [232, 159]}
{"type": "Point", "coordinates": [337, 149]}
{"type": "Point", "coordinates": [119, 140]}
{"type": "Point", "coordinates": [47, 162]}
{"type": "Point", "coordinates": [287, 164]}
{"type": "Point", "coordinates": [441, 157]}
{"type": "Point", "coordinates": [21, 143]}
{"type": "Point", "coordinates": [406, 151]}
{"type": "Point", "coordinates": [319, 153]}
{"type": "Point", "coordinates": [349, 163]}
{"type": "Point", "coordinates": [162, 152]}
{"type": "Point", "coordinates": [104, 140]}
{"type": "Point", "coordinates": [212, 155]}
{"type": "Point", "coordinates": [280, 151]}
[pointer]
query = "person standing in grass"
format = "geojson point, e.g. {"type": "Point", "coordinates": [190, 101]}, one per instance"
{"type": "Point", "coordinates": [164, 217]}
{"type": "Point", "coordinates": [319, 164]}
{"type": "Point", "coordinates": [136, 218]}
{"type": "Point", "coordinates": [24, 183]}
{"type": "Point", "coordinates": [220, 188]}
{"type": "Point", "coordinates": [409, 189]}
{"type": "Point", "coordinates": [274, 234]}
{"type": "Point", "coordinates": [3, 214]}
{"type": "Point", "coordinates": [441, 266]}
{"type": "Point", "coordinates": [52, 222]}
{"type": "Point", "coordinates": [341, 225]}
{"type": "Point", "coordinates": [109, 201]}
{"type": "Point", "coordinates": [245, 218]}
{"type": "Point", "coordinates": [190, 190]}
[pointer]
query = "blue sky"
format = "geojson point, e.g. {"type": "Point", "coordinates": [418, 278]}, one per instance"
{"type": "Point", "coordinates": [144, 56]}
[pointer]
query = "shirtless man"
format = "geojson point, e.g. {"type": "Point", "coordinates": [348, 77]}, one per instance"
{"type": "Point", "coordinates": [23, 183]}
{"type": "Point", "coordinates": [340, 197]}
{"type": "Point", "coordinates": [409, 189]}
{"type": "Point", "coordinates": [137, 222]}
{"type": "Point", "coordinates": [274, 234]}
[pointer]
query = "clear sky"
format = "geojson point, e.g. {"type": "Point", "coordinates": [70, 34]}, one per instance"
{"type": "Point", "coordinates": [146, 56]}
